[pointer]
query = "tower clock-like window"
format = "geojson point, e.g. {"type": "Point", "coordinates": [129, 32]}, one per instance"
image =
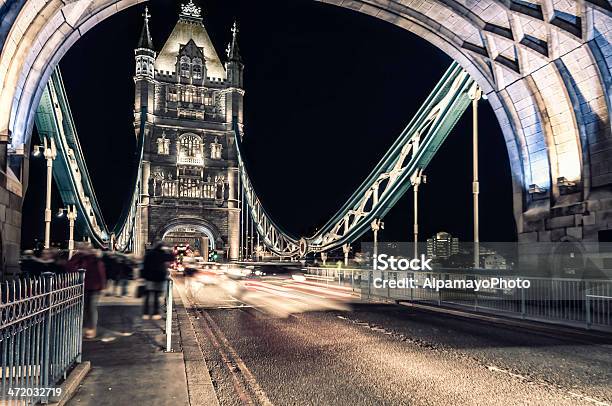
{"type": "Point", "coordinates": [185, 66]}
{"type": "Point", "coordinates": [190, 150]}
{"type": "Point", "coordinates": [216, 149]}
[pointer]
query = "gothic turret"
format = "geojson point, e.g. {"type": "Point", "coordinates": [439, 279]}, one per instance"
{"type": "Point", "coordinates": [234, 65]}
{"type": "Point", "coordinates": [145, 71]}
{"type": "Point", "coordinates": [235, 69]}
{"type": "Point", "coordinates": [144, 53]}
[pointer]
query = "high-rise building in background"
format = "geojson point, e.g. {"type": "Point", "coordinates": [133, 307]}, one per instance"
{"type": "Point", "coordinates": [442, 245]}
{"type": "Point", "coordinates": [190, 102]}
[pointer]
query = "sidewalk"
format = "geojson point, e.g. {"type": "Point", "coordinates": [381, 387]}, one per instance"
{"type": "Point", "coordinates": [128, 362]}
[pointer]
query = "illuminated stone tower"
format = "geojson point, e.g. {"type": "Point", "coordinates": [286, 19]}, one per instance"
{"type": "Point", "coordinates": [190, 101]}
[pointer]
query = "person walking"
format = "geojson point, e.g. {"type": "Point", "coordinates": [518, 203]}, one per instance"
{"type": "Point", "coordinates": [111, 265]}
{"type": "Point", "coordinates": [155, 273]}
{"type": "Point", "coordinates": [31, 266]}
{"type": "Point", "coordinates": [124, 274]}
{"type": "Point", "coordinates": [95, 282]}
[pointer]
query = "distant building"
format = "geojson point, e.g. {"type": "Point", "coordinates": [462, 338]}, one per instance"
{"type": "Point", "coordinates": [493, 261]}
{"type": "Point", "coordinates": [442, 246]}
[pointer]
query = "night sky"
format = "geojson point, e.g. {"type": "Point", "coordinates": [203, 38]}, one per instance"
{"type": "Point", "coordinates": [327, 92]}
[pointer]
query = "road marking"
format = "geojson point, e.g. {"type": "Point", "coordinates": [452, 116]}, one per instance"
{"type": "Point", "coordinates": [182, 311]}
{"type": "Point", "coordinates": [235, 365]}
{"type": "Point", "coordinates": [249, 378]}
{"type": "Point", "coordinates": [242, 393]}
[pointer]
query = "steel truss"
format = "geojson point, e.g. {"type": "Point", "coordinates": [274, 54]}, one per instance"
{"type": "Point", "coordinates": [391, 178]}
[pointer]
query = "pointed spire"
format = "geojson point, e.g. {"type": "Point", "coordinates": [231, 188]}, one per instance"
{"type": "Point", "coordinates": [233, 50]}
{"type": "Point", "coordinates": [145, 36]}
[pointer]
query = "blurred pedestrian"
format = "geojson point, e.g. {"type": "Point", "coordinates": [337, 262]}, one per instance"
{"type": "Point", "coordinates": [95, 282]}
{"type": "Point", "coordinates": [155, 273]}
{"type": "Point", "coordinates": [31, 266]}
{"type": "Point", "coordinates": [54, 260]}
{"type": "Point", "coordinates": [124, 274]}
{"type": "Point", "coordinates": [111, 266]}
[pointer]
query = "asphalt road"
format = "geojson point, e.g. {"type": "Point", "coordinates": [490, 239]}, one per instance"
{"type": "Point", "coordinates": [380, 354]}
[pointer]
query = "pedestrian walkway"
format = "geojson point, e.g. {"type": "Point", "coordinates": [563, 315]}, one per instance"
{"type": "Point", "coordinates": [128, 363]}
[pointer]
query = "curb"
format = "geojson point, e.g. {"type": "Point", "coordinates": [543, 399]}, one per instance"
{"type": "Point", "coordinates": [200, 387]}
{"type": "Point", "coordinates": [70, 386]}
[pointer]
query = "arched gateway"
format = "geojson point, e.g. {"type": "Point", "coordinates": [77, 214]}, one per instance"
{"type": "Point", "coordinates": [199, 234]}
{"type": "Point", "coordinates": [545, 66]}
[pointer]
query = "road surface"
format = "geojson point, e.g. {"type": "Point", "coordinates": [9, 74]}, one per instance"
{"type": "Point", "coordinates": [379, 354]}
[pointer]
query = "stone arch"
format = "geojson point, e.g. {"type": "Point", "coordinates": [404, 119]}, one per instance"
{"type": "Point", "coordinates": [512, 49]}
{"type": "Point", "coordinates": [201, 224]}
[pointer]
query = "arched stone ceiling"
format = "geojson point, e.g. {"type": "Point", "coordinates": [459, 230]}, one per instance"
{"type": "Point", "coordinates": [545, 65]}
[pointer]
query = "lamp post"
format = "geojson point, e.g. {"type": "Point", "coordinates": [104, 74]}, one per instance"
{"type": "Point", "coordinates": [49, 152]}
{"type": "Point", "coordinates": [416, 181]}
{"type": "Point", "coordinates": [376, 225]}
{"type": "Point", "coordinates": [71, 215]}
{"type": "Point", "coordinates": [475, 94]}
{"type": "Point", "coordinates": [346, 249]}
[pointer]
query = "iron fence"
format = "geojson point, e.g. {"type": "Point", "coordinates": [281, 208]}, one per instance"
{"type": "Point", "coordinates": [40, 335]}
{"type": "Point", "coordinates": [574, 302]}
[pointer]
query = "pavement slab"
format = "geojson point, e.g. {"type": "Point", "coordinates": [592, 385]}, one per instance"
{"type": "Point", "coordinates": [129, 364]}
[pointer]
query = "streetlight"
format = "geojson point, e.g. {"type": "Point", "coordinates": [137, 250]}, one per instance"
{"type": "Point", "coordinates": [346, 249]}
{"type": "Point", "coordinates": [376, 225]}
{"type": "Point", "coordinates": [71, 215]}
{"type": "Point", "coordinates": [49, 152]}
{"type": "Point", "coordinates": [475, 94]}
{"type": "Point", "coordinates": [324, 257]}
{"type": "Point", "coordinates": [416, 181]}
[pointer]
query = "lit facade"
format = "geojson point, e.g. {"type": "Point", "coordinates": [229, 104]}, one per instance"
{"type": "Point", "coordinates": [190, 102]}
{"type": "Point", "coordinates": [442, 245]}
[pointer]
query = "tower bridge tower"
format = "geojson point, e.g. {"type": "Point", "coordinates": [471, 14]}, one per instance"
{"type": "Point", "coordinates": [189, 171]}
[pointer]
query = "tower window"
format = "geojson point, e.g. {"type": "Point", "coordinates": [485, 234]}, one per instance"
{"type": "Point", "coordinates": [172, 96]}
{"type": "Point", "coordinates": [163, 145]}
{"type": "Point", "coordinates": [185, 66]}
{"type": "Point", "coordinates": [197, 68]}
{"type": "Point", "coordinates": [190, 150]}
{"type": "Point", "coordinates": [216, 149]}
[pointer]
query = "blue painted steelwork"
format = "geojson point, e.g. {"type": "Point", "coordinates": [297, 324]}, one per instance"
{"type": "Point", "coordinates": [390, 179]}
{"type": "Point", "coordinates": [125, 230]}
{"type": "Point", "coordinates": [54, 120]}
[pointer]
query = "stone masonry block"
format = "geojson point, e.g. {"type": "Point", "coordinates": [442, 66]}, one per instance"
{"type": "Point", "coordinates": [544, 236]}
{"type": "Point", "coordinates": [528, 237]}
{"type": "Point", "coordinates": [588, 220]}
{"type": "Point", "coordinates": [559, 222]}
{"type": "Point", "coordinates": [557, 234]}
{"type": "Point", "coordinates": [574, 232]}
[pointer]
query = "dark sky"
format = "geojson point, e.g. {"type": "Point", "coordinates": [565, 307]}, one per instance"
{"type": "Point", "coordinates": [327, 92]}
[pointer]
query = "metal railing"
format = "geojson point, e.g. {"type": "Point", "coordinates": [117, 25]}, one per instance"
{"type": "Point", "coordinates": [574, 302]}
{"type": "Point", "coordinates": [40, 335]}
{"type": "Point", "coordinates": [169, 299]}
